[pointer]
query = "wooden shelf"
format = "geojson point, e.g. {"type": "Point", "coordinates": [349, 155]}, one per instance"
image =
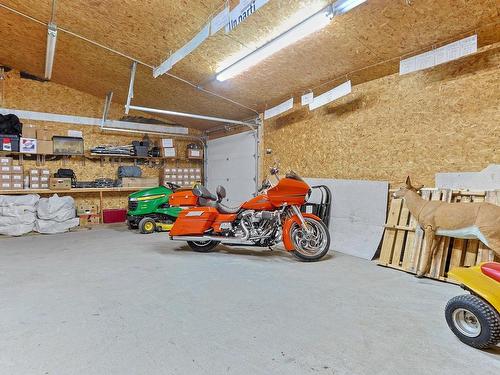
{"type": "Point", "coordinates": [161, 158]}
{"type": "Point", "coordinates": [71, 191]}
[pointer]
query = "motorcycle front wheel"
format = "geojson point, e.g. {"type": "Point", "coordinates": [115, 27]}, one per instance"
{"type": "Point", "coordinates": [311, 245]}
{"type": "Point", "coordinates": [202, 246]}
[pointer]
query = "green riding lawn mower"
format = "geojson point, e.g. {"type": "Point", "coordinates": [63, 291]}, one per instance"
{"type": "Point", "coordinates": [149, 211]}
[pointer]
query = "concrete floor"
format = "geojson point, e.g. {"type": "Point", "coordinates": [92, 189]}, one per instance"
{"type": "Point", "coordinates": [109, 301]}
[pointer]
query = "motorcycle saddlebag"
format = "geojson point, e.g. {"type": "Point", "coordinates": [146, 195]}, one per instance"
{"type": "Point", "coordinates": [194, 221]}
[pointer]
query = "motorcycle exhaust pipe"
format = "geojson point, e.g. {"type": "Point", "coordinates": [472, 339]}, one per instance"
{"type": "Point", "coordinates": [226, 240]}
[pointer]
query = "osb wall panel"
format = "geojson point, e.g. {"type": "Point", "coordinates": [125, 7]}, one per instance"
{"type": "Point", "coordinates": [49, 97]}
{"type": "Point", "coordinates": [441, 120]}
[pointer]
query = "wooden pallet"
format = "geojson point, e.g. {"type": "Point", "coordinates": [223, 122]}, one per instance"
{"type": "Point", "coordinates": [404, 241]}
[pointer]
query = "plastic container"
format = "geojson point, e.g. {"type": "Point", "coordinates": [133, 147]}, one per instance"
{"type": "Point", "coordinates": [116, 215]}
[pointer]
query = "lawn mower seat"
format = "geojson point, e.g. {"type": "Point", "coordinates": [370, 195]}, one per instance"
{"type": "Point", "coordinates": [491, 269]}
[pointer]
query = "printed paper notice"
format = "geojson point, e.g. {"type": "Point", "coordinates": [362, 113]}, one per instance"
{"type": "Point", "coordinates": [438, 56]}
{"type": "Point", "coordinates": [279, 109]}
{"type": "Point", "coordinates": [330, 96]}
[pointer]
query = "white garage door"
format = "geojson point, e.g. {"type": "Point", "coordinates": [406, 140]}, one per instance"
{"type": "Point", "coordinates": [232, 163]}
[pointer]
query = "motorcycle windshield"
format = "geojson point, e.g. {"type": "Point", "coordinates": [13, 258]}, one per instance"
{"type": "Point", "coordinates": [294, 176]}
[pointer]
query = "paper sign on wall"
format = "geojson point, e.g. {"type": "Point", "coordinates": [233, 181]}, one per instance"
{"type": "Point", "coordinates": [331, 95]}
{"type": "Point", "coordinates": [242, 11]}
{"type": "Point", "coordinates": [219, 21]}
{"type": "Point", "coordinates": [275, 111]}
{"type": "Point", "coordinates": [307, 98]}
{"type": "Point", "coordinates": [182, 52]}
{"type": "Point", "coordinates": [440, 55]}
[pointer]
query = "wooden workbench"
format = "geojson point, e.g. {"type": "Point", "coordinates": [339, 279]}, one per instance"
{"type": "Point", "coordinates": [99, 191]}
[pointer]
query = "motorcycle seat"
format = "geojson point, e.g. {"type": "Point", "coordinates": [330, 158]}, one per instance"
{"type": "Point", "coordinates": [491, 269]}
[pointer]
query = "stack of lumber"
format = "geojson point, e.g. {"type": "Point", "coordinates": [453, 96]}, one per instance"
{"type": "Point", "coordinates": [403, 243]}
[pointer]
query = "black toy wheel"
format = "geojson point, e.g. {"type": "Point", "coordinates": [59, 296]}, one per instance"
{"type": "Point", "coordinates": [202, 246]}
{"type": "Point", "coordinates": [147, 225]}
{"type": "Point", "coordinates": [473, 321]}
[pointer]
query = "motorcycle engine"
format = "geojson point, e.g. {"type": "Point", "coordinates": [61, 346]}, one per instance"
{"type": "Point", "coordinates": [261, 227]}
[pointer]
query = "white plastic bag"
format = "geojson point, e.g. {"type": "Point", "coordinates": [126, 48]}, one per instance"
{"type": "Point", "coordinates": [56, 208]}
{"type": "Point", "coordinates": [54, 226]}
{"type": "Point", "coordinates": [16, 210]}
{"type": "Point", "coordinates": [16, 229]}
{"type": "Point", "coordinates": [25, 218]}
{"type": "Point", "coordinates": [19, 200]}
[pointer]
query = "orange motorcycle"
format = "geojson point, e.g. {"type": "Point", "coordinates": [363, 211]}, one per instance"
{"type": "Point", "coordinates": [271, 217]}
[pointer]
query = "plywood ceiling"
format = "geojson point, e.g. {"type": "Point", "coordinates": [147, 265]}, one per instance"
{"type": "Point", "coordinates": [363, 44]}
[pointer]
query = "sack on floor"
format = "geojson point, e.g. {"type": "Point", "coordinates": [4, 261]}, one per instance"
{"type": "Point", "coordinates": [17, 229]}
{"type": "Point", "coordinates": [53, 226]}
{"type": "Point", "coordinates": [25, 218]}
{"type": "Point", "coordinates": [56, 208]}
{"type": "Point", "coordinates": [16, 210]}
{"type": "Point", "coordinates": [19, 200]}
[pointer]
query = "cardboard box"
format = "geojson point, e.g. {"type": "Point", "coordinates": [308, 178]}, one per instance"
{"type": "Point", "coordinates": [34, 178]}
{"type": "Point", "coordinates": [5, 185]}
{"type": "Point", "coordinates": [44, 185]}
{"type": "Point", "coordinates": [44, 134]}
{"type": "Point", "coordinates": [44, 179]}
{"type": "Point", "coordinates": [169, 152]}
{"type": "Point", "coordinates": [18, 169]}
{"type": "Point", "coordinates": [34, 172]}
{"type": "Point", "coordinates": [167, 143]}
{"type": "Point", "coordinates": [195, 154]}
{"type": "Point", "coordinates": [28, 145]}
{"type": "Point", "coordinates": [140, 182]}
{"type": "Point", "coordinates": [29, 131]}
{"type": "Point", "coordinates": [35, 185]}
{"type": "Point", "coordinates": [87, 209]}
{"type": "Point", "coordinates": [45, 147]}
{"type": "Point", "coordinates": [87, 220]}
{"type": "Point", "coordinates": [59, 183]}
{"type": "Point", "coordinates": [18, 178]}
{"type": "Point", "coordinates": [4, 160]}
{"type": "Point", "coordinates": [44, 172]}
{"type": "Point", "coordinates": [5, 177]}
{"type": "Point", "coordinates": [5, 169]}
{"type": "Point", "coordinates": [17, 185]}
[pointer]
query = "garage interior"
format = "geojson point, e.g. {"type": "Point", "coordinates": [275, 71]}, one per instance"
{"type": "Point", "coordinates": [357, 141]}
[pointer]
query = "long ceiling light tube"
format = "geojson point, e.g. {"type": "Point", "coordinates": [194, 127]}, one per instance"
{"type": "Point", "coordinates": [310, 25]}
{"type": "Point", "coordinates": [190, 115]}
{"type": "Point", "coordinates": [51, 49]}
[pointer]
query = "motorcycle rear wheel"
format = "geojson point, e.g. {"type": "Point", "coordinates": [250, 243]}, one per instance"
{"type": "Point", "coordinates": [202, 246]}
{"type": "Point", "coordinates": [310, 247]}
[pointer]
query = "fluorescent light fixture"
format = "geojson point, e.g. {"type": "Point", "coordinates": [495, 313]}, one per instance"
{"type": "Point", "coordinates": [343, 6]}
{"type": "Point", "coordinates": [297, 32]}
{"type": "Point", "coordinates": [301, 30]}
{"type": "Point", "coordinates": [51, 49]}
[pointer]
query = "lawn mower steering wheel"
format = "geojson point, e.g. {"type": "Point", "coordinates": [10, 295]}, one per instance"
{"type": "Point", "coordinates": [173, 186]}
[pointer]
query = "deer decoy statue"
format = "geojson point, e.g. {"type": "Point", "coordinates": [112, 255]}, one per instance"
{"type": "Point", "coordinates": [480, 220]}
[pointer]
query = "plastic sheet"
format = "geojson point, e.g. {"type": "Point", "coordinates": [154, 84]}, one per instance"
{"type": "Point", "coordinates": [54, 226]}
{"type": "Point", "coordinates": [56, 208]}
{"type": "Point", "coordinates": [19, 200]}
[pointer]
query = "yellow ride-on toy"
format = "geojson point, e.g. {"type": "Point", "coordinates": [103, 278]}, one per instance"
{"type": "Point", "coordinates": [475, 318]}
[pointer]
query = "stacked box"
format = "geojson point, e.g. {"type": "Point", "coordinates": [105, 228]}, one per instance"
{"type": "Point", "coordinates": [59, 183]}
{"type": "Point", "coordinates": [34, 178]}
{"type": "Point", "coordinates": [185, 177]}
{"type": "Point", "coordinates": [87, 209]}
{"type": "Point", "coordinates": [87, 220]}
{"type": "Point", "coordinates": [11, 176]}
{"type": "Point", "coordinates": [44, 178]}
{"type": "Point", "coordinates": [195, 153]}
